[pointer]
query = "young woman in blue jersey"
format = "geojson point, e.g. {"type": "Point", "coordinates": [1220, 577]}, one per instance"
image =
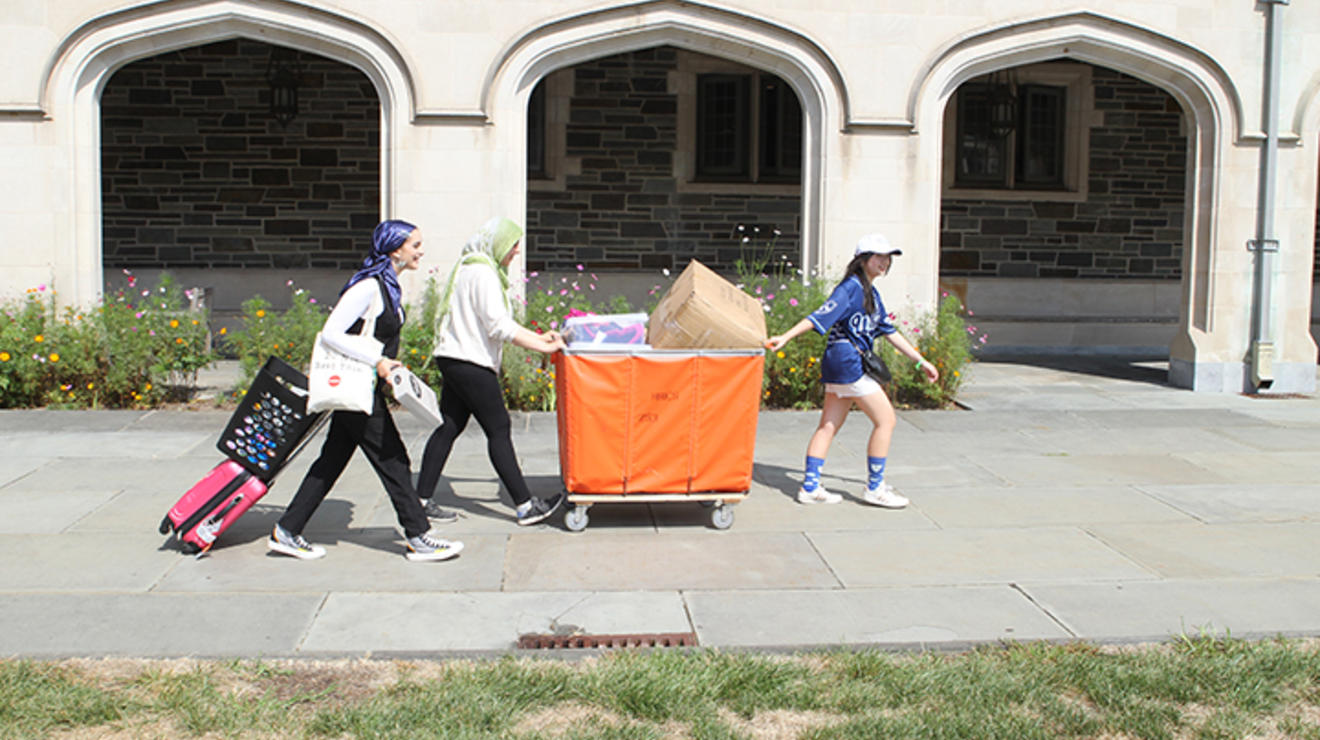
{"type": "Point", "coordinates": [852, 319]}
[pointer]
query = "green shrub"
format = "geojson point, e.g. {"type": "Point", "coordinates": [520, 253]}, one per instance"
{"type": "Point", "coordinates": [138, 348]}
{"type": "Point", "coordinates": [289, 335]}
{"type": "Point", "coordinates": [943, 337]}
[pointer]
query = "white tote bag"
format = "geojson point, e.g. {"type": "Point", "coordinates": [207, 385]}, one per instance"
{"type": "Point", "coordinates": [337, 382]}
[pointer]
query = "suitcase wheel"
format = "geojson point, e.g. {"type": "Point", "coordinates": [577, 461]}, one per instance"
{"type": "Point", "coordinates": [166, 525]}
{"type": "Point", "coordinates": [191, 548]}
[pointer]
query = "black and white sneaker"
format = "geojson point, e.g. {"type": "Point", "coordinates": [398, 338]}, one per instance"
{"type": "Point", "coordinates": [539, 509]}
{"type": "Point", "coordinates": [437, 513]}
{"type": "Point", "coordinates": [293, 544]}
{"type": "Point", "coordinates": [424, 547]}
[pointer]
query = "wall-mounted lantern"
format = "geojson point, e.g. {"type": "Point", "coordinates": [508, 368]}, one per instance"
{"type": "Point", "coordinates": [283, 75]}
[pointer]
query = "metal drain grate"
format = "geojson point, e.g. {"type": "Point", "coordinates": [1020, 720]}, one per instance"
{"type": "Point", "coordinates": [557, 642]}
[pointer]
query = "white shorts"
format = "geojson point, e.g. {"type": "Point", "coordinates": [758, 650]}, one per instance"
{"type": "Point", "coordinates": [863, 386]}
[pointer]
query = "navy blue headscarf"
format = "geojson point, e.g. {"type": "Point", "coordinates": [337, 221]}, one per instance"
{"type": "Point", "coordinates": [388, 236]}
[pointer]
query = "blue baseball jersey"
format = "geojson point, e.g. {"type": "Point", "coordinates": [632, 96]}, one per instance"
{"type": "Point", "coordinates": [847, 328]}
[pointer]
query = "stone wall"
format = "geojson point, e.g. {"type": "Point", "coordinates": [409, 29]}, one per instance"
{"type": "Point", "coordinates": [625, 209]}
{"type": "Point", "coordinates": [196, 172]}
{"type": "Point", "coordinates": [1129, 226]}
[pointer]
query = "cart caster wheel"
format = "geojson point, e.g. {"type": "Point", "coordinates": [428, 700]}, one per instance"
{"type": "Point", "coordinates": [166, 525]}
{"type": "Point", "coordinates": [722, 516]}
{"type": "Point", "coordinates": [190, 548]}
{"type": "Point", "coordinates": [576, 518]}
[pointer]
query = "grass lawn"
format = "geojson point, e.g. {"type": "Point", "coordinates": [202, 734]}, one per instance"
{"type": "Point", "coordinates": [1190, 688]}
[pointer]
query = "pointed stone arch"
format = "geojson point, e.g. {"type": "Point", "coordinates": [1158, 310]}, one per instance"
{"type": "Point", "coordinates": [1203, 89]}
{"type": "Point", "coordinates": [798, 60]}
{"type": "Point", "coordinates": [76, 74]}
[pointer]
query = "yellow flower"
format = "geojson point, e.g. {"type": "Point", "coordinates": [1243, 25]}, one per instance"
{"type": "Point", "coordinates": [277, 346]}
{"type": "Point", "coordinates": [174, 323]}
{"type": "Point", "coordinates": [412, 351]}
{"type": "Point", "coordinates": [148, 387]}
{"type": "Point", "coordinates": [54, 356]}
{"type": "Point", "coordinates": [178, 340]}
{"type": "Point", "coordinates": [39, 338]}
{"type": "Point", "coordinates": [196, 322]}
{"type": "Point", "coordinates": [780, 354]}
{"type": "Point", "coordinates": [261, 313]}
{"type": "Point", "coordinates": [91, 386]}
{"type": "Point", "coordinates": [224, 330]}
{"type": "Point", "coordinates": [956, 374]}
{"type": "Point", "coordinates": [4, 357]}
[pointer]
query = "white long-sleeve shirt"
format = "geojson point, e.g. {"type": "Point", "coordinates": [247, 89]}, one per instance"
{"type": "Point", "coordinates": [362, 301]}
{"type": "Point", "coordinates": [479, 321]}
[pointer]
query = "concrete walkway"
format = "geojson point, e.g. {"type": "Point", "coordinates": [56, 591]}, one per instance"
{"type": "Point", "coordinates": [1080, 500]}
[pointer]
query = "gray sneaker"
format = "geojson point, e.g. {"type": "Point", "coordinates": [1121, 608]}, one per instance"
{"type": "Point", "coordinates": [424, 547]}
{"type": "Point", "coordinates": [539, 510]}
{"type": "Point", "coordinates": [293, 544]}
{"type": "Point", "coordinates": [438, 514]}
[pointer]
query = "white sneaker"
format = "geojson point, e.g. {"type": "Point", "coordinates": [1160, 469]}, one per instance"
{"type": "Point", "coordinates": [426, 547]}
{"type": "Point", "coordinates": [818, 496]}
{"type": "Point", "coordinates": [884, 496]}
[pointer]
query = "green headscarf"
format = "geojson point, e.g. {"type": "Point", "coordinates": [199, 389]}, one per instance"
{"type": "Point", "coordinates": [489, 246]}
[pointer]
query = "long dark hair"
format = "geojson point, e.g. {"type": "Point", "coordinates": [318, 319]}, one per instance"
{"type": "Point", "coordinates": [857, 268]}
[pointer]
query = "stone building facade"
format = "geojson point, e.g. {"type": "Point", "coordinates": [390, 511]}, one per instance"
{"type": "Point", "coordinates": [1159, 95]}
{"type": "Point", "coordinates": [196, 173]}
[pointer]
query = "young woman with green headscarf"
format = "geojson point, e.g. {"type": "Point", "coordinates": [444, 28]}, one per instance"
{"type": "Point", "coordinates": [475, 319]}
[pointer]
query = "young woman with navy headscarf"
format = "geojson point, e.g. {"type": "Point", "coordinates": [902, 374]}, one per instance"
{"type": "Point", "coordinates": [852, 319]}
{"type": "Point", "coordinates": [372, 291]}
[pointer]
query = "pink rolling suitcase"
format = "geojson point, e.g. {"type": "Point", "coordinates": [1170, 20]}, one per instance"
{"type": "Point", "coordinates": [209, 507]}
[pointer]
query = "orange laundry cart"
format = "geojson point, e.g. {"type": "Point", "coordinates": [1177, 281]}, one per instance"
{"type": "Point", "coordinates": [642, 425]}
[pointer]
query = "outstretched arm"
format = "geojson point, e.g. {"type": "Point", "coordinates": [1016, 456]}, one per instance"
{"type": "Point", "coordinates": [905, 347]}
{"type": "Point", "coordinates": [798, 329]}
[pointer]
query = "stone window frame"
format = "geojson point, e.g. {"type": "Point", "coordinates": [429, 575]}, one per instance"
{"type": "Point", "coordinates": [558, 100]}
{"type": "Point", "coordinates": [1080, 117]}
{"type": "Point", "coordinates": [683, 85]}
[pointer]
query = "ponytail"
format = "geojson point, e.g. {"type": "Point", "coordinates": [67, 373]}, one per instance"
{"type": "Point", "coordinates": [857, 268]}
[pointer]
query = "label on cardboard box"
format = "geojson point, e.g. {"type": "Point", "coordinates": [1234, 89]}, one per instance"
{"type": "Point", "coordinates": [702, 310]}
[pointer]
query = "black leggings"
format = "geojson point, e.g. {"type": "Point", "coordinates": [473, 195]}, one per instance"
{"type": "Point", "coordinates": [472, 390]}
{"type": "Point", "coordinates": [378, 438]}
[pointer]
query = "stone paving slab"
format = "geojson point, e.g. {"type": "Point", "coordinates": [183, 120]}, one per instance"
{"type": "Point", "coordinates": [1090, 470]}
{"type": "Point", "coordinates": [1043, 506]}
{"type": "Point", "coordinates": [1134, 441]}
{"type": "Point", "coordinates": [160, 625]}
{"type": "Point", "coordinates": [1275, 438]}
{"type": "Point", "coordinates": [74, 562]}
{"type": "Point", "coordinates": [556, 561]}
{"type": "Point", "coordinates": [359, 560]}
{"type": "Point", "coordinates": [44, 421]}
{"type": "Point", "coordinates": [112, 447]}
{"type": "Point", "coordinates": [909, 616]}
{"type": "Point", "coordinates": [365, 623]}
{"type": "Point", "coordinates": [971, 556]}
{"type": "Point", "coordinates": [1221, 504]}
{"type": "Point", "coordinates": [1299, 467]}
{"type": "Point", "coordinates": [22, 512]}
{"type": "Point", "coordinates": [15, 469]}
{"type": "Point", "coordinates": [1218, 550]}
{"type": "Point", "coordinates": [1163, 609]}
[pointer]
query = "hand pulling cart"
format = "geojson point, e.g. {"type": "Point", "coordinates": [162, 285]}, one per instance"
{"type": "Point", "coordinates": [644, 425]}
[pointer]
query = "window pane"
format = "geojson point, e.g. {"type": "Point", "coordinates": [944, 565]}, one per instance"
{"type": "Point", "coordinates": [536, 132]}
{"type": "Point", "coordinates": [722, 126]}
{"type": "Point", "coordinates": [780, 130]}
{"type": "Point", "coordinates": [980, 154]}
{"type": "Point", "coordinates": [1040, 136]}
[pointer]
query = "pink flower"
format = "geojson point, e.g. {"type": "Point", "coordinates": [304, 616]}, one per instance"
{"type": "Point", "coordinates": [969, 313]}
{"type": "Point", "coordinates": [554, 324]}
{"type": "Point", "coordinates": [982, 340]}
{"type": "Point", "coordinates": [42, 287]}
{"type": "Point", "coordinates": [792, 301]}
{"type": "Point", "coordinates": [311, 300]}
{"type": "Point", "coordinates": [916, 330]}
{"type": "Point", "coordinates": [146, 293]}
{"type": "Point", "coordinates": [579, 267]}
{"type": "Point", "coordinates": [591, 285]}
{"type": "Point", "coordinates": [770, 297]}
{"type": "Point", "coordinates": [593, 276]}
{"type": "Point", "coordinates": [548, 309]}
{"type": "Point", "coordinates": [534, 274]}
{"type": "Point", "coordinates": [563, 292]}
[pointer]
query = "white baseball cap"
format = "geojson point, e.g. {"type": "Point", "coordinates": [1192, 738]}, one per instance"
{"type": "Point", "coordinates": [875, 244]}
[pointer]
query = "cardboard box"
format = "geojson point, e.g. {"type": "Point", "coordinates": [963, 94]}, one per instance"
{"type": "Point", "coordinates": [704, 311]}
